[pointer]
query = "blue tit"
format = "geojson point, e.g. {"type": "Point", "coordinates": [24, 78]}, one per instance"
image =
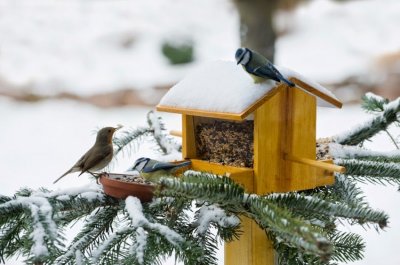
{"type": "Point", "coordinates": [259, 67]}
{"type": "Point", "coordinates": [153, 170]}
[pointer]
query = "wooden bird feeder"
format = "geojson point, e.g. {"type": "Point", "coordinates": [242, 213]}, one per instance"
{"type": "Point", "coordinates": [274, 125]}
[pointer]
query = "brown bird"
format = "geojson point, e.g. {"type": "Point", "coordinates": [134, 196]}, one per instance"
{"type": "Point", "coordinates": [98, 156]}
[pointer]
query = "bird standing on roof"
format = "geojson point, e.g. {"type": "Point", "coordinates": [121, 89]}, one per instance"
{"type": "Point", "coordinates": [153, 170]}
{"type": "Point", "coordinates": [97, 157]}
{"type": "Point", "coordinates": [259, 67]}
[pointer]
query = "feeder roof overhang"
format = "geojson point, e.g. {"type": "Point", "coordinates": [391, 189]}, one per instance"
{"type": "Point", "coordinates": [222, 89]}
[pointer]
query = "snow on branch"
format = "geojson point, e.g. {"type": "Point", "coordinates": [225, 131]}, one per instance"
{"type": "Point", "coordinates": [352, 152]}
{"type": "Point", "coordinates": [134, 209]}
{"type": "Point", "coordinates": [131, 138]}
{"type": "Point", "coordinates": [128, 138]}
{"type": "Point", "coordinates": [90, 192]}
{"type": "Point", "coordinates": [44, 229]}
{"type": "Point", "coordinates": [107, 245]}
{"type": "Point", "coordinates": [360, 213]}
{"type": "Point", "coordinates": [208, 214]}
{"type": "Point", "coordinates": [371, 127]}
{"type": "Point", "coordinates": [167, 145]}
{"type": "Point", "coordinates": [373, 103]}
{"type": "Point", "coordinates": [139, 246]}
{"type": "Point", "coordinates": [371, 171]}
{"type": "Point", "coordinates": [97, 226]}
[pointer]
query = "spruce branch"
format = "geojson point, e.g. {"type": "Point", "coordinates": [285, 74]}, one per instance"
{"type": "Point", "coordinates": [114, 248]}
{"type": "Point", "coordinates": [130, 138]}
{"type": "Point", "coordinates": [165, 143]}
{"type": "Point", "coordinates": [39, 237]}
{"type": "Point", "coordinates": [346, 191]}
{"type": "Point", "coordinates": [378, 123]}
{"type": "Point", "coordinates": [372, 103]}
{"type": "Point", "coordinates": [371, 171]}
{"type": "Point", "coordinates": [94, 231]}
{"type": "Point", "coordinates": [204, 186]}
{"type": "Point", "coordinates": [353, 152]}
{"type": "Point", "coordinates": [347, 246]}
{"type": "Point", "coordinates": [307, 206]}
{"type": "Point", "coordinates": [277, 221]}
{"type": "Point", "coordinates": [283, 226]}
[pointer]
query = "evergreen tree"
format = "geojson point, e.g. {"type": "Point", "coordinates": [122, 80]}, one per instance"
{"type": "Point", "coordinates": [190, 215]}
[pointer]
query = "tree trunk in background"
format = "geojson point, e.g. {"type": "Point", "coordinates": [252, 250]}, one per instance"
{"type": "Point", "coordinates": [256, 25]}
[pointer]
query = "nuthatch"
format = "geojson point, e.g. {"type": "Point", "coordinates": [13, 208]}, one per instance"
{"type": "Point", "coordinates": [259, 67]}
{"type": "Point", "coordinates": [153, 170]}
{"type": "Point", "coordinates": [98, 156]}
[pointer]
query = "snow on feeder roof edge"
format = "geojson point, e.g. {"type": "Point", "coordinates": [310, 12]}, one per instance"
{"type": "Point", "coordinates": [224, 87]}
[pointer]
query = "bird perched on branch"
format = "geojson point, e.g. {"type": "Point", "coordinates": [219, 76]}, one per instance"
{"type": "Point", "coordinates": [153, 170]}
{"type": "Point", "coordinates": [98, 156]}
{"type": "Point", "coordinates": [259, 67]}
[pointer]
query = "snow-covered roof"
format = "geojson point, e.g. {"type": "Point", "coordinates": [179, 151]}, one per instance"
{"type": "Point", "coordinates": [224, 88]}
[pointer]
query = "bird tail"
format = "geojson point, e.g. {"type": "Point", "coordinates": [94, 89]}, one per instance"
{"type": "Point", "coordinates": [66, 173]}
{"type": "Point", "coordinates": [289, 83]}
{"type": "Point", "coordinates": [183, 164]}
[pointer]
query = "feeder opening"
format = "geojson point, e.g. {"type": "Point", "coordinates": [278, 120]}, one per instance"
{"type": "Point", "coordinates": [225, 142]}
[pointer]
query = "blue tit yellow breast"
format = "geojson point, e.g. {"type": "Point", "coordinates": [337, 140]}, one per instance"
{"type": "Point", "coordinates": [155, 175]}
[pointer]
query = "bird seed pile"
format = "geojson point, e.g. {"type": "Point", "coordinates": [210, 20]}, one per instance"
{"type": "Point", "coordinates": [323, 148]}
{"type": "Point", "coordinates": [227, 143]}
{"type": "Point", "coordinates": [129, 178]}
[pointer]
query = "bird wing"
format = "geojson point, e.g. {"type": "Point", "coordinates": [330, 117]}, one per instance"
{"type": "Point", "coordinates": [279, 75]}
{"type": "Point", "coordinates": [96, 159]}
{"type": "Point", "coordinates": [266, 72]}
{"type": "Point", "coordinates": [164, 166]}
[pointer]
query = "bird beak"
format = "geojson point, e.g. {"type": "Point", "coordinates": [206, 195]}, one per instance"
{"type": "Point", "coordinates": [119, 126]}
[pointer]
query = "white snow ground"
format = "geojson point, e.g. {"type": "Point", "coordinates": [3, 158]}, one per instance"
{"type": "Point", "coordinates": [40, 141]}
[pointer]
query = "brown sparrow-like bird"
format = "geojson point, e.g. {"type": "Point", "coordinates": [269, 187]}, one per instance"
{"type": "Point", "coordinates": [98, 156]}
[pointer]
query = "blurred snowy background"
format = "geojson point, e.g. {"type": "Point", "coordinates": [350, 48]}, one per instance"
{"type": "Point", "coordinates": [68, 67]}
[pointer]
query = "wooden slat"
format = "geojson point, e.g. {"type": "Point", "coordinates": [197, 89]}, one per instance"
{"type": "Point", "coordinates": [325, 177]}
{"type": "Point", "coordinates": [222, 115]}
{"type": "Point", "coordinates": [201, 113]}
{"type": "Point", "coordinates": [269, 140]}
{"type": "Point", "coordinates": [188, 137]}
{"type": "Point", "coordinates": [315, 163]}
{"type": "Point", "coordinates": [241, 175]}
{"type": "Point", "coordinates": [239, 252]}
{"type": "Point", "coordinates": [316, 92]}
{"type": "Point", "coordinates": [175, 133]}
{"type": "Point", "coordinates": [263, 252]}
{"type": "Point", "coordinates": [300, 140]}
{"type": "Point", "coordinates": [261, 101]}
{"type": "Point", "coordinates": [240, 116]}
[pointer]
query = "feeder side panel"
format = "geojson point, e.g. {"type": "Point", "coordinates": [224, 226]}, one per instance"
{"type": "Point", "coordinates": [269, 141]}
{"type": "Point", "coordinates": [241, 175]}
{"type": "Point", "coordinates": [188, 138]}
{"type": "Point", "coordinates": [301, 141]}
